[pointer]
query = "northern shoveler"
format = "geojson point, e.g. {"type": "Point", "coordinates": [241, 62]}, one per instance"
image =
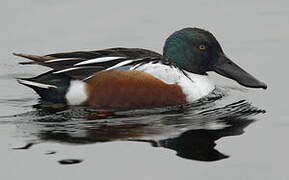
{"type": "Point", "coordinates": [131, 78]}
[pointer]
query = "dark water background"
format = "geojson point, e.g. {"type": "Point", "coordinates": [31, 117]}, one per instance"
{"type": "Point", "coordinates": [225, 136]}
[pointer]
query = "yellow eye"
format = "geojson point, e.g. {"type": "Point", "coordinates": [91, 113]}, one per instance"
{"type": "Point", "coordinates": [202, 47]}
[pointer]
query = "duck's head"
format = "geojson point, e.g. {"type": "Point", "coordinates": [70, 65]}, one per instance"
{"type": "Point", "coordinates": [197, 51]}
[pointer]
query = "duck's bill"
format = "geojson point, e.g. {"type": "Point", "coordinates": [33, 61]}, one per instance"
{"type": "Point", "coordinates": [229, 69]}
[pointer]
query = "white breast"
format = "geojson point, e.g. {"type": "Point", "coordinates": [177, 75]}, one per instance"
{"type": "Point", "coordinates": [194, 86]}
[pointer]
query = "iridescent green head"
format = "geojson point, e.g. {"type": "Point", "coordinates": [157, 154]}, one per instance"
{"type": "Point", "coordinates": [197, 51]}
{"type": "Point", "coordinates": [192, 49]}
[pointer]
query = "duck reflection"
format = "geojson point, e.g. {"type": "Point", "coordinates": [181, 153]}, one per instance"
{"type": "Point", "coordinates": [191, 132]}
{"type": "Point", "coordinates": [200, 144]}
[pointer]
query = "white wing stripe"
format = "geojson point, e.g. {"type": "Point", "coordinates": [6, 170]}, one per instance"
{"type": "Point", "coordinates": [98, 60]}
{"type": "Point", "coordinates": [36, 84]}
{"type": "Point", "coordinates": [123, 63]}
{"type": "Point", "coordinates": [62, 59]}
{"type": "Point", "coordinates": [120, 64]}
{"type": "Point", "coordinates": [66, 70]}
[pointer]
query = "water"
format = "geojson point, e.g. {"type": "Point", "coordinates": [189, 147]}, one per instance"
{"type": "Point", "coordinates": [236, 133]}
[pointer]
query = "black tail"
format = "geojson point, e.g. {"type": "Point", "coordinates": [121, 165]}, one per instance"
{"type": "Point", "coordinates": [49, 86]}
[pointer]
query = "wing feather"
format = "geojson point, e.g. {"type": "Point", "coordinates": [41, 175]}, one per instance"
{"type": "Point", "coordinates": [82, 64]}
{"type": "Point", "coordinates": [98, 60]}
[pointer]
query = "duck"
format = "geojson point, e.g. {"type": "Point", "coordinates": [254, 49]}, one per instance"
{"type": "Point", "coordinates": [135, 78]}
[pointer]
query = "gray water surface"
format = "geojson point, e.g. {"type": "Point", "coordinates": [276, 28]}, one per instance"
{"type": "Point", "coordinates": [236, 133]}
